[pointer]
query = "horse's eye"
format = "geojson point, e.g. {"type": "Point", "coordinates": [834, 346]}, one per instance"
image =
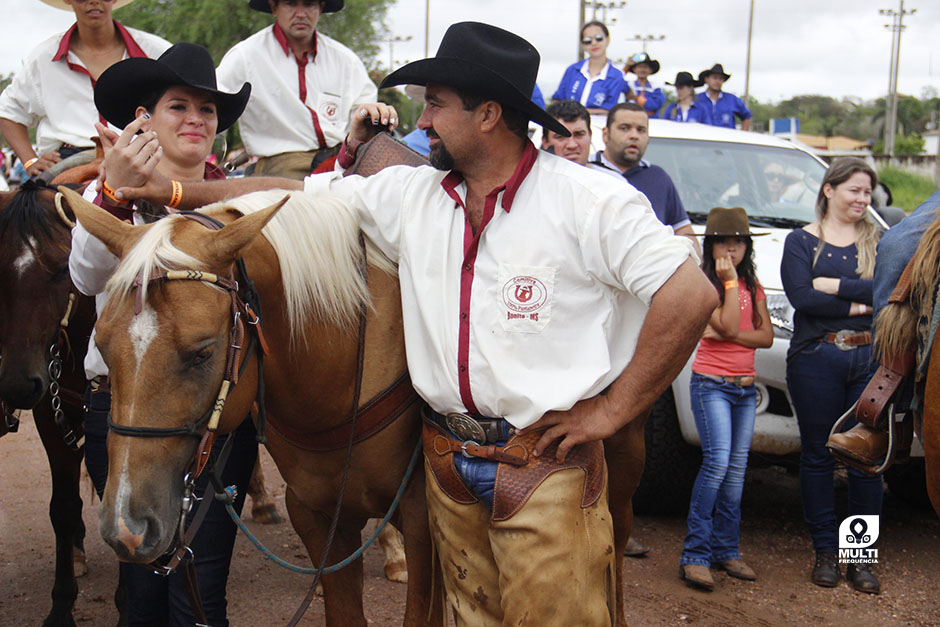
{"type": "Point", "coordinates": [202, 356]}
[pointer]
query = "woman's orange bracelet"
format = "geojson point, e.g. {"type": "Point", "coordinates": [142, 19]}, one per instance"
{"type": "Point", "coordinates": [108, 192]}
{"type": "Point", "coordinates": [729, 285]}
{"type": "Point", "coordinates": [177, 196]}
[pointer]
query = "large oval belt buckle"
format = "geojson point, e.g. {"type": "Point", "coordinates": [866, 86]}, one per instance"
{"type": "Point", "coordinates": [840, 340]}
{"type": "Point", "coordinates": [465, 427]}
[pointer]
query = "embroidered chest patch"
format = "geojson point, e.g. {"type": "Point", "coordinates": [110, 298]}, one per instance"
{"type": "Point", "coordinates": [525, 297]}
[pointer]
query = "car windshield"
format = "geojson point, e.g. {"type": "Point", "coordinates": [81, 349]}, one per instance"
{"type": "Point", "coordinates": [777, 186]}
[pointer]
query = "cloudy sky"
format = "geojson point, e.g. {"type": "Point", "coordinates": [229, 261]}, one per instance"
{"type": "Point", "coordinates": [833, 47]}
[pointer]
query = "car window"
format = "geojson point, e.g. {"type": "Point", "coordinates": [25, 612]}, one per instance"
{"type": "Point", "coordinates": [777, 186]}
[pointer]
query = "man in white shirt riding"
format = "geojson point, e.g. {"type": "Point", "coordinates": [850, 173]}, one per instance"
{"type": "Point", "coordinates": [304, 85]}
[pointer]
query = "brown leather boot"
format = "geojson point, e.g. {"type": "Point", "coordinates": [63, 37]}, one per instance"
{"type": "Point", "coordinates": [861, 443]}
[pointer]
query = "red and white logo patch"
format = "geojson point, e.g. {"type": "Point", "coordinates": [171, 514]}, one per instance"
{"type": "Point", "coordinates": [526, 294]}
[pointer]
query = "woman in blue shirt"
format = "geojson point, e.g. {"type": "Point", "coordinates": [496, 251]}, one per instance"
{"type": "Point", "coordinates": [827, 270]}
{"type": "Point", "coordinates": [594, 82]}
{"type": "Point", "coordinates": [685, 109]}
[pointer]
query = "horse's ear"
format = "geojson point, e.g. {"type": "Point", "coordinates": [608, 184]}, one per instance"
{"type": "Point", "coordinates": [228, 242]}
{"type": "Point", "coordinates": [118, 236]}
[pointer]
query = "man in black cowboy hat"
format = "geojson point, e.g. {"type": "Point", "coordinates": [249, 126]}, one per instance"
{"type": "Point", "coordinates": [526, 281]}
{"type": "Point", "coordinates": [721, 107]}
{"type": "Point", "coordinates": [304, 86]}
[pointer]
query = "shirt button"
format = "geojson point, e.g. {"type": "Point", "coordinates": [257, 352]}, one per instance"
{"type": "Point", "coordinates": [467, 268]}
{"type": "Point", "coordinates": [463, 315]}
{"type": "Point", "coordinates": [463, 368]}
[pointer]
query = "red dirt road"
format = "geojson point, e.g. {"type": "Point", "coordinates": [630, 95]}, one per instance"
{"type": "Point", "coordinates": [774, 542]}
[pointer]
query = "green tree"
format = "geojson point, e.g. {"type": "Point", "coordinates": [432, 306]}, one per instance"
{"type": "Point", "coordinates": [220, 24]}
{"type": "Point", "coordinates": [912, 144]}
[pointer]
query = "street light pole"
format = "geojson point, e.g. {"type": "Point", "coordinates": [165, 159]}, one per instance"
{"type": "Point", "coordinates": [646, 38]}
{"type": "Point", "coordinates": [891, 115]}
{"type": "Point", "coordinates": [747, 62]}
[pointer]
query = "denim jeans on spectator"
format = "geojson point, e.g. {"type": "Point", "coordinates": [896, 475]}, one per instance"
{"type": "Point", "coordinates": [724, 417]}
{"type": "Point", "coordinates": [478, 474]}
{"type": "Point", "coordinates": [151, 599]}
{"type": "Point", "coordinates": [824, 382]}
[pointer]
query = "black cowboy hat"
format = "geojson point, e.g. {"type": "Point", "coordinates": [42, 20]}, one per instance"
{"type": "Point", "coordinates": [642, 57]}
{"type": "Point", "coordinates": [731, 222]}
{"type": "Point", "coordinates": [715, 69]}
{"type": "Point", "coordinates": [486, 61]}
{"type": "Point", "coordinates": [122, 87]}
{"type": "Point", "coordinates": [685, 79]}
{"type": "Point", "coordinates": [329, 6]}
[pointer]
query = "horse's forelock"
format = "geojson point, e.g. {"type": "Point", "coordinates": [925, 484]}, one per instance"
{"type": "Point", "coordinates": [25, 215]}
{"type": "Point", "coordinates": [154, 251]}
{"type": "Point", "coordinates": [316, 239]}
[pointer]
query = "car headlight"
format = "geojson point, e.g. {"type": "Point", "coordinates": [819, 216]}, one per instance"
{"type": "Point", "coordinates": [781, 313]}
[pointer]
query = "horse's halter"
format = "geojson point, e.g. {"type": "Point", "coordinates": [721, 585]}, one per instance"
{"type": "Point", "coordinates": [234, 364]}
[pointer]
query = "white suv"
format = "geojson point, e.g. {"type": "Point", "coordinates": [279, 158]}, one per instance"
{"type": "Point", "coordinates": [717, 167]}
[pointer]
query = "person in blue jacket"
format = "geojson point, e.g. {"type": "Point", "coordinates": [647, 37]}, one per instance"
{"type": "Point", "coordinates": [722, 107]}
{"type": "Point", "coordinates": [685, 109]}
{"type": "Point", "coordinates": [594, 82]}
{"type": "Point", "coordinates": [641, 90]}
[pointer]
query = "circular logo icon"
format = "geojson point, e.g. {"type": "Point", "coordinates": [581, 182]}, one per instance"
{"type": "Point", "coordinates": [524, 294]}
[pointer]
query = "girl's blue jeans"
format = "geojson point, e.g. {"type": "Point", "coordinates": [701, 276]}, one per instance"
{"type": "Point", "coordinates": [724, 417]}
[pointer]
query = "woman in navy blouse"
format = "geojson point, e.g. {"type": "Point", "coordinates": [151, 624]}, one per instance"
{"type": "Point", "coordinates": [827, 272]}
{"type": "Point", "coordinates": [594, 82]}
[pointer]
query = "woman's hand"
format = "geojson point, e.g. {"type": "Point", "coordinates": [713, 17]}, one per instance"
{"type": "Point", "coordinates": [129, 158]}
{"type": "Point", "coordinates": [724, 268]}
{"type": "Point", "coordinates": [827, 285]}
{"type": "Point", "coordinates": [859, 309]}
{"type": "Point", "coordinates": [711, 334]}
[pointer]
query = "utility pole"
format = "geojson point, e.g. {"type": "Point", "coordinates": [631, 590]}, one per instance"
{"type": "Point", "coordinates": [646, 38]}
{"type": "Point", "coordinates": [391, 41]}
{"type": "Point", "coordinates": [747, 62]}
{"type": "Point", "coordinates": [427, 26]}
{"type": "Point", "coordinates": [891, 115]}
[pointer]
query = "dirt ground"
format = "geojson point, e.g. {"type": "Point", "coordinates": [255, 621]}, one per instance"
{"type": "Point", "coordinates": [774, 542]}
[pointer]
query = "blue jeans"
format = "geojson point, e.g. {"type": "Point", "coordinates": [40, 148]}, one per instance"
{"type": "Point", "coordinates": [724, 417]}
{"type": "Point", "coordinates": [824, 382]}
{"type": "Point", "coordinates": [478, 474]}
{"type": "Point", "coordinates": [152, 599]}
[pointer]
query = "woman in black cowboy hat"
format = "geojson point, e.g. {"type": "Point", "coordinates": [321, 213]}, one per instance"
{"type": "Point", "coordinates": [685, 109]}
{"type": "Point", "coordinates": [170, 110]}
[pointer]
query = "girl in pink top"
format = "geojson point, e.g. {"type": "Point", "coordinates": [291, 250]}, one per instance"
{"type": "Point", "coordinates": [724, 399]}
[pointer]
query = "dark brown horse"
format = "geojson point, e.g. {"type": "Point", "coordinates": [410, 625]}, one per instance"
{"type": "Point", "coordinates": [36, 297]}
{"type": "Point", "coordinates": [905, 327]}
{"type": "Point", "coordinates": [167, 366]}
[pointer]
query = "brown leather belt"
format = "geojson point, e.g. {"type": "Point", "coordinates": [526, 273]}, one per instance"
{"type": "Point", "coordinates": [742, 381]}
{"type": "Point", "coordinates": [848, 340]}
{"type": "Point", "coordinates": [472, 428]}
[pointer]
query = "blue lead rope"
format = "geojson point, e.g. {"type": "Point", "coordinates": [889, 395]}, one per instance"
{"type": "Point", "coordinates": [230, 498]}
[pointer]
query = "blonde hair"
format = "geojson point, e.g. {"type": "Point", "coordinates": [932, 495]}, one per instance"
{"type": "Point", "coordinates": [867, 232]}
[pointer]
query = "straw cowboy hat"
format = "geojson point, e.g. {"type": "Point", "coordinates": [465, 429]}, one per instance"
{"type": "Point", "coordinates": [123, 86]}
{"type": "Point", "coordinates": [60, 4]}
{"type": "Point", "coordinates": [486, 61]}
{"type": "Point", "coordinates": [731, 222]}
{"type": "Point", "coordinates": [715, 69]}
{"type": "Point", "coordinates": [329, 6]}
{"type": "Point", "coordinates": [685, 79]}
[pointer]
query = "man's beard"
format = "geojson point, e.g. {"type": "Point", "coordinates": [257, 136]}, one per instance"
{"type": "Point", "coordinates": [440, 158]}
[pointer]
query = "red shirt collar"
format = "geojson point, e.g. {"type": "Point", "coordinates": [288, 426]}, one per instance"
{"type": "Point", "coordinates": [511, 186]}
{"type": "Point", "coordinates": [282, 39]}
{"type": "Point", "coordinates": [133, 49]}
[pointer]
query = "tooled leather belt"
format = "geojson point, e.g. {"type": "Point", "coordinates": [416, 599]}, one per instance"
{"type": "Point", "coordinates": [848, 340]}
{"type": "Point", "coordinates": [472, 428]}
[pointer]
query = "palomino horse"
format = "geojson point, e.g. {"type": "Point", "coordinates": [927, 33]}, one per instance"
{"type": "Point", "coordinates": [167, 364]}
{"type": "Point", "coordinates": [906, 327]}
{"type": "Point", "coordinates": [40, 312]}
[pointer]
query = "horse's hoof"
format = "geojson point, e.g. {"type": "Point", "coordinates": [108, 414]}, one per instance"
{"type": "Point", "coordinates": [79, 565]}
{"type": "Point", "coordinates": [266, 515]}
{"type": "Point", "coordinates": [396, 571]}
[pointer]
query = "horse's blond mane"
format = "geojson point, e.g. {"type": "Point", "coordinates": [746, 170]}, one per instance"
{"type": "Point", "coordinates": [896, 326]}
{"type": "Point", "coordinates": [316, 239]}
